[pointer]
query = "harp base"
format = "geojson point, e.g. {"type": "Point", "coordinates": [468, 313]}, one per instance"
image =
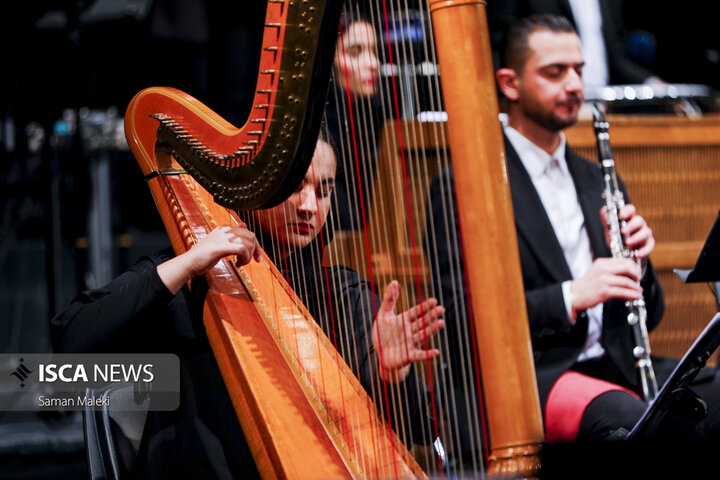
{"type": "Point", "coordinates": [518, 462]}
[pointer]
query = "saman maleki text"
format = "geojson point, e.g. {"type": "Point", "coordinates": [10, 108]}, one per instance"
{"type": "Point", "coordinates": [78, 401]}
{"type": "Point", "coordinates": [108, 372]}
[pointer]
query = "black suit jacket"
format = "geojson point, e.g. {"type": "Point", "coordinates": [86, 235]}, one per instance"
{"type": "Point", "coordinates": [556, 341]}
{"type": "Point", "coordinates": [621, 69]}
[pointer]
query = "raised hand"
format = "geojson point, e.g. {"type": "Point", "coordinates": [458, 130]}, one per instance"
{"type": "Point", "coordinates": [399, 339]}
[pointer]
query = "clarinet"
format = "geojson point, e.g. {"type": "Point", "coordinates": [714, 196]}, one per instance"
{"type": "Point", "coordinates": [614, 202]}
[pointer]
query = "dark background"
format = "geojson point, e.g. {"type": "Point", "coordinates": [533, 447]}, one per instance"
{"type": "Point", "coordinates": [67, 62]}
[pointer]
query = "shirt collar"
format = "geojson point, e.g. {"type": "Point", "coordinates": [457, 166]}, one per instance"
{"type": "Point", "coordinates": [535, 159]}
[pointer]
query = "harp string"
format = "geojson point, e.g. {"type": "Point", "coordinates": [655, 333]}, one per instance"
{"type": "Point", "coordinates": [380, 228]}
{"type": "Point", "coordinates": [328, 305]}
{"type": "Point", "coordinates": [369, 149]}
{"type": "Point", "coordinates": [359, 143]}
{"type": "Point", "coordinates": [291, 263]}
{"type": "Point", "coordinates": [408, 204]}
{"type": "Point", "coordinates": [280, 246]}
{"type": "Point", "coordinates": [382, 235]}
{"type": "Point", "coordinates": [416, 161]}
{"type": "Point", "coordinates": [325, 300]}
{"type": "Point", "coordinates": [363, 189]}
{"type": "Point", "coordinates": [278, 251]}
{"type": "Point", "coordinates": [347, 337]}
{"type": "Point", "coordinates": [360, 190]}
{"type": "Point", "coordinates": [363, 217]}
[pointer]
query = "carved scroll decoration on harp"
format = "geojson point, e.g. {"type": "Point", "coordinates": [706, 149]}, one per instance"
{"type": "Point", "coordinates": [614, 202]}
{"type": "Point", "coordinates": [258, 165]}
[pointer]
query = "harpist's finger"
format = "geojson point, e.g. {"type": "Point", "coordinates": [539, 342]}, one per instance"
{"type": "Point", "coordinates": [257, 253]}
{"type": "Point", "coordinates": [417, 355]}
{"type": "Point", "coordinates": [431, 315]}
{"type": "Point", "coordinates": [428, 331]}
{"type": "Point", "coordinates": [426, 321]}
{"type": "Point", "coordinates": [392, 292]}
{"type": "Point", "coordinates": [419, 311]}
{"type": "Point", "coordinates": [428, 316]}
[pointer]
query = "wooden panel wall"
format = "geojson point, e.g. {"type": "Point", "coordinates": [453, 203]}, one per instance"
{"type": "Point", "coordinates": [671, 167]}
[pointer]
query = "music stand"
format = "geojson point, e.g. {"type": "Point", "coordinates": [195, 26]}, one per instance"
{"type": "Point", "coordinates": [707, 267]}
{"type": "Point", "coordinates": [675, 395]}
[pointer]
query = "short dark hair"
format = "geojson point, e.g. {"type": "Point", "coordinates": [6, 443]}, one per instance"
{"type": "Point", "coordinates": [516, 50]}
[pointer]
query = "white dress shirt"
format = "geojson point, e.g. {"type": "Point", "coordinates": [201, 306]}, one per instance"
{"type": "Point", "coordinates": [555, 186]}
{"type": "Point", "coordinates": [588, 21]}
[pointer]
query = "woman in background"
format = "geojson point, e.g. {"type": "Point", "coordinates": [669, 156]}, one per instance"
{"type": "Point", "coordinates": [354, 117]}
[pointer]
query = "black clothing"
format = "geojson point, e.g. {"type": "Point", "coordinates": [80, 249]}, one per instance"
{"type": "Point", "coordinates": [137, 313]}
{"type": "Point", "coordinates": [556, 341]}
{"type": "Point", "coordinates": [202, 439]}
{"type": "Point", "coordinates": [621, 69]}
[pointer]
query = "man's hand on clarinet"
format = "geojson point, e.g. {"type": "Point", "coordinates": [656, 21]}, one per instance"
{"type": "Point", "coordinates": [638, 235]}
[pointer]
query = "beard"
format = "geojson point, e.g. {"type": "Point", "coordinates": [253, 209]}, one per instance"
{"type": "Point", "coordinates": [548, 119]}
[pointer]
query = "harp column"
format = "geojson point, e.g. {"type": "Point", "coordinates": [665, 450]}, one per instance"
{"type": "Point", "coordinates": [489, 237]}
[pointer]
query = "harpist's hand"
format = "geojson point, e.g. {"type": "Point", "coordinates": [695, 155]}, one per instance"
{"type": "Point", "coordinates": [221, 242]}
{"type": "Point", "coordinates": [399, 339]}
{"type": "Point", "coordinates": [204, 255]}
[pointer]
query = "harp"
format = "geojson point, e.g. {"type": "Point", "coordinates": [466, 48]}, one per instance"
{"type": "Point", "coordinates": [300, 421]}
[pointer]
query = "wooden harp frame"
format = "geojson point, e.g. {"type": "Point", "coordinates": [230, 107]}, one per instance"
{"type": "Point", "coordinates": [171, 134]}
{"type": "Point", "coordinates": [485, 211]}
